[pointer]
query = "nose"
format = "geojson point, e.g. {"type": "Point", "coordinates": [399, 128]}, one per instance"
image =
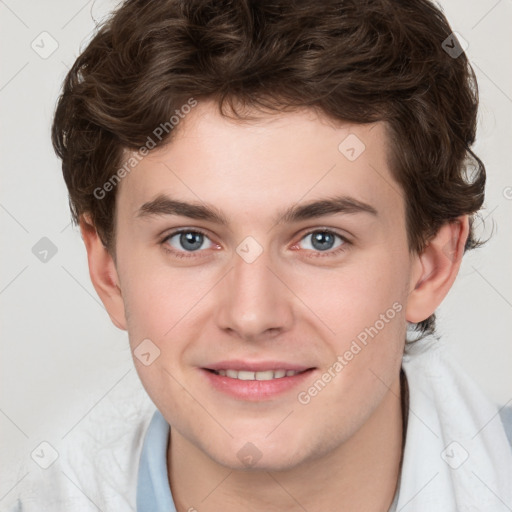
{"type": "Point", "coordinates": [254, 301]}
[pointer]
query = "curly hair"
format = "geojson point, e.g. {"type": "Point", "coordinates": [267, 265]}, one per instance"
{"type": "Point", "coordinates": [356, 61]}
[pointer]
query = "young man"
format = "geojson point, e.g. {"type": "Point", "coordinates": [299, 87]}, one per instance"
{"type": "Point", "coordinates": [273, 195]}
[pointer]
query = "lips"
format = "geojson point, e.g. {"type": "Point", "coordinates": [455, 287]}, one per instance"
{"type": "Point", "coordinates": [250, 375]}
{"type": "Point", "coordinates": [257, 366]}
{"type": "Point", "coordinates": [257, 381]}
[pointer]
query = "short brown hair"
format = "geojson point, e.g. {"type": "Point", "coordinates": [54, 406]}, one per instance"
{"type": "Point", "coordinates": [361, 62]}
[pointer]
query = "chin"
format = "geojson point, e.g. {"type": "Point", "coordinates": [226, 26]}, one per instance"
{"type": "Point", "coordinates": [259, 455]}
{"type": "Point", "coordinates": [275, 463]}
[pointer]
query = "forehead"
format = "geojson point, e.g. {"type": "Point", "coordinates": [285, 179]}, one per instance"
{"type": "Point", "coordinates": [265, 164]}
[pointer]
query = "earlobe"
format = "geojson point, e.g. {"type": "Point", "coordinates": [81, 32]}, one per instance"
{"type": "Point", "coordinates": [436, 269]}
{"type": "Point", "coordinates": [103, 273]}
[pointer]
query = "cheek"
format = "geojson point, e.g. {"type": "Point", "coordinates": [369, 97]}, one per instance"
{"type": "Point", "coordinates": [156, 296]}
{"type": "Point", "coordinates": [363, 307]}
{"type": "Point", "coordinates": [365, 352]}
{"type": "Point", "coordinates": [354, 296]}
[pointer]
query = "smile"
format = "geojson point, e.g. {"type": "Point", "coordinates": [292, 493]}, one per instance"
{"type": "Point", "coordinates": [263, 375]}
{"type": "Point", "coordinates": [256, 386]}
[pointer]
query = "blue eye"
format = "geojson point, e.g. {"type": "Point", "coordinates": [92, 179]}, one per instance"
{"type": "Point", "coordinates": [324, 240]}
{"type": "Point", "coordinates": [187, 241]}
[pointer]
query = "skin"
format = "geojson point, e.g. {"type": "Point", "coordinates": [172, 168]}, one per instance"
{"type": "Point", "coordinates": [294, 303]}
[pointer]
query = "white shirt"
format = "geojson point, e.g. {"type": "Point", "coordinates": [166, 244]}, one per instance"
{"type": "Point", "coordinates": [457, 454]}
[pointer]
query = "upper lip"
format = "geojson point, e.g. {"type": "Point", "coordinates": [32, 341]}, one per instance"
{"type": "Point", "coordinates": [256, 366]}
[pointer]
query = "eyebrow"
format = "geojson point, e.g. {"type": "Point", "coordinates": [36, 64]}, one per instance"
{"type": "Point", "coordinates": [164, 205]}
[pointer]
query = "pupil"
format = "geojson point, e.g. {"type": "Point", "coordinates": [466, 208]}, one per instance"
{"type": "Point", "coordinates": [323, 240]}
{"type": "Point", "coordinates": [194, 240]}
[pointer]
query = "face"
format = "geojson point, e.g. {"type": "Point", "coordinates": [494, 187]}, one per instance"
{"type": "Point", "coordinates": [292, 255]}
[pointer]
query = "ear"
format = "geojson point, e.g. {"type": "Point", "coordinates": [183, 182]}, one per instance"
{"type": "Point", "coordinates": [103, 273]}
{"type": "Point", "coordinates": [436, 269]}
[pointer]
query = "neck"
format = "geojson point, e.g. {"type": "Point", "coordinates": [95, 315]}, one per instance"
{"type": "Point", "coordinates": [362, 473]}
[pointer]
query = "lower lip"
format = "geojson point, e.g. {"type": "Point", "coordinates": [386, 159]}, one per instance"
{"type": "Point", "coordinates": [255, 390]}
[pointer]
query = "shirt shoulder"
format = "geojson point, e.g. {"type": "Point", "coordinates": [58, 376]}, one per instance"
{"type": "Point", "coordinates": [96, 464]}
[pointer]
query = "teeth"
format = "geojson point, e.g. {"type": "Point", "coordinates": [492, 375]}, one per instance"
{"type": "Point", "coordinates": [265, 375]}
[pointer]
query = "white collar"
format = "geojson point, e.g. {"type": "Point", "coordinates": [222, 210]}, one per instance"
{"type": "Point", "coordinates": [457, 456]}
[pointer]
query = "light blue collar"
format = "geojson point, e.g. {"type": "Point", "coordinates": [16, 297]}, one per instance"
{"type": "Point", "coordinates": [153, 491]}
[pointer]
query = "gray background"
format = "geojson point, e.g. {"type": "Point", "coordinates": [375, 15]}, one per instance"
{"type": "Point", "coordinates": [60, 354]}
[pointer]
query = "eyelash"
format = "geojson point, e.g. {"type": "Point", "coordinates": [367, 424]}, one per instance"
{"type": "Point", "coordinates": [316, 254]}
